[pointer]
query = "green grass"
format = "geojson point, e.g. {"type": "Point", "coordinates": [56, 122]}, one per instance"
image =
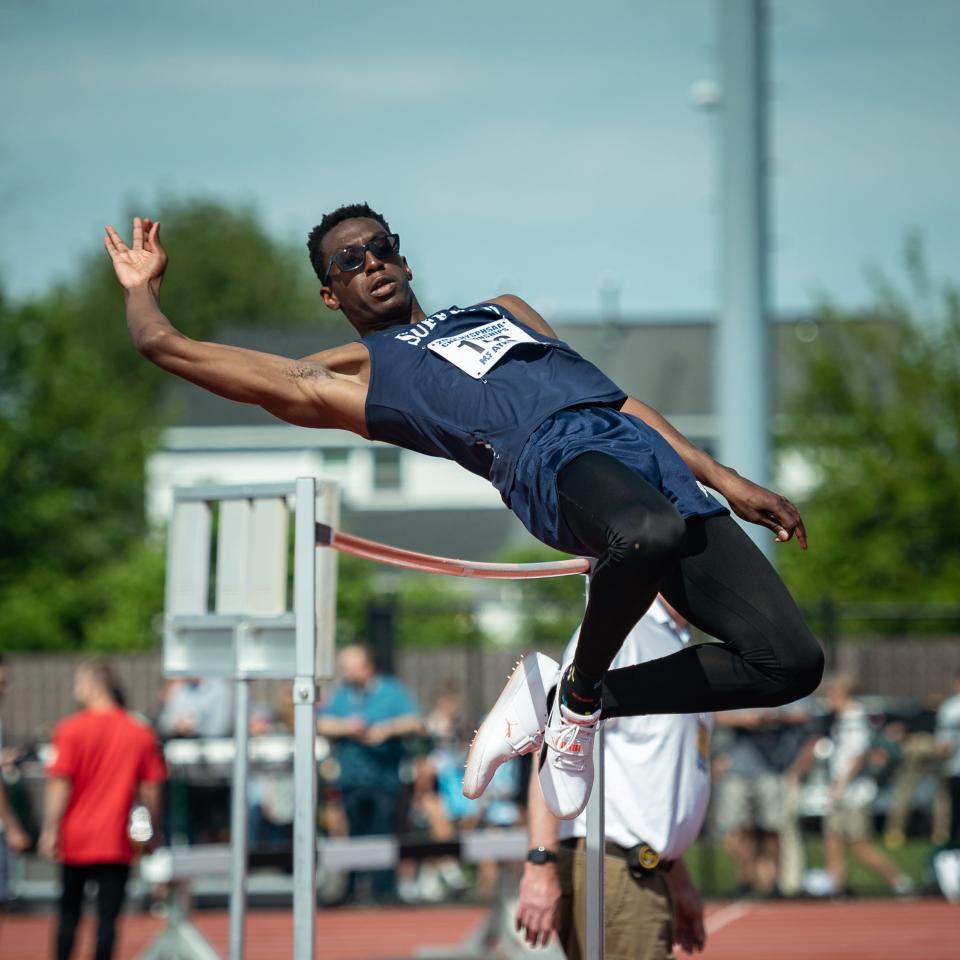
{"type": "Point", "coordinates": [713, 872]}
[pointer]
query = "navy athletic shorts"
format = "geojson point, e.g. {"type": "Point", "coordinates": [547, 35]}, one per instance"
{"type": "Point", "coordinates": [564, 436]}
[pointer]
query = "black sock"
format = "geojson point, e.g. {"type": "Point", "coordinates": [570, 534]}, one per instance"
{"type": "Point", "coordinates": [579, 692]}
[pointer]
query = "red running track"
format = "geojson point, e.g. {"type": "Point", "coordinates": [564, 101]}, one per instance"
{"type": "Point", "coordinates": [864, 930]}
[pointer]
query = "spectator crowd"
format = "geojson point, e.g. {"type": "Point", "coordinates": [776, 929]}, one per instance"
{"type": "Point", "coordinates": [871, 777]}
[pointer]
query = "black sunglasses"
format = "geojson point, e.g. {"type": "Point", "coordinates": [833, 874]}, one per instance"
{"type": "Point", "coordinates": [351, 258]}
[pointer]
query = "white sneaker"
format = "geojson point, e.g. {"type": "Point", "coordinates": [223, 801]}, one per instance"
{"type": "Point", "coordinates": [566, 761]}
{"type": "Point", "coordinates": [902, 886]}
{"type": "Point", "coordinates": [515, 724]}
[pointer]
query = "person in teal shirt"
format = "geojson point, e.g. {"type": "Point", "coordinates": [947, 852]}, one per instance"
{"type": "Point", "coordinates": [366, 720]}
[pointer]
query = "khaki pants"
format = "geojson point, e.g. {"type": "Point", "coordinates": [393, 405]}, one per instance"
{"type": "Point", "coordinates": [638, 914]}
{"type": "Point", "coordinates": [792, 856]}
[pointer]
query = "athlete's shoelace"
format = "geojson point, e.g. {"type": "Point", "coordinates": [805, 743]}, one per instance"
{"type": "Point", "coordinates": [563, 740]}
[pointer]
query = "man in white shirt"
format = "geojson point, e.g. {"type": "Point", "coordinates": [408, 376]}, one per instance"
{"type": "Point", "coordinates": [657, 786]}
{"type": "Point", "coordinates": [848, 822]}
{"type": "Point", "coordinates": [948, 743]}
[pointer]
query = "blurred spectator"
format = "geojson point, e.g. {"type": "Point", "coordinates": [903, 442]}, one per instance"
{"type": "Point", "coordinates": [750, 798]}
{"type": "Point", "coordinates": [366, 718]}
{"type": "Point", "coordinates": [13, 837]}
{"type": "Point", "coordinates": [948, 742]}
{"type": "Point", "coordinates": [195, 707]}
{"type": "Point", "coordinates": [848, 822]}
{"type": "Point", "coordinates": [793, 755]}
{"type": "Point", "coordinates": [270, 793]}
{"type": "Point", "coordinates": [438, 774]}
{"type": "Point", "coordinates": [103, 761]}
{"type": "Point", "coordinates": [914, 756]}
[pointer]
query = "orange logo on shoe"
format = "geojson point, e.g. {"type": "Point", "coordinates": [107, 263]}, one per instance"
{"type": "Point", "coordinates": [573, 747]}
{"type": "Point", "coordinates": [509, 724]}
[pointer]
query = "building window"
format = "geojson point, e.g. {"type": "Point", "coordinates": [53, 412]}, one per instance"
{"type": "Point", "coordinates": [336, 457]}
{"type": "Point", "coordinates": [386, 469]}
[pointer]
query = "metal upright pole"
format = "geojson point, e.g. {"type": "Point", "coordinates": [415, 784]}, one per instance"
{"type": "Point", "coordinates": [304, 696]}
{"type": "Point", "coordinates": [596, 849]}
{"type": "Point", "coordinates": [596, 840]}
{"type": "Point", "coordinates": [743, 355]}
{"type": "Point", "coordinates": [238, 818]}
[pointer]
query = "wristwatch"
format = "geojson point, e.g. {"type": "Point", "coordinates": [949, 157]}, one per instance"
{"type": "Point", "coordinates": [540, 856]}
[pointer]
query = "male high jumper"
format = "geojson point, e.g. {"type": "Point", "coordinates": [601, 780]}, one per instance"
{"type": "Point", "coordinates": [587, 469]}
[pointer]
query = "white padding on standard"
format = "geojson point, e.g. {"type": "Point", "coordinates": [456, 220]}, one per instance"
{"type": "Point", "coordinates": [188, 559]}
{"type": "Point", "coordinates": [358, 853]}
{"type": "Point", "coordinates": [179, 863]}
{"type": "Point", "coordinates": [328, 512]}
{"type": "Point", "coordinates": [267, 572]}
{"type": "Point", "coordinates": [478, 846]}
{"type": "Point", "coordinates": [233, 552]}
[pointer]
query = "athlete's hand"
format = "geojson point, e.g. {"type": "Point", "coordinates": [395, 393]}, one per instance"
{"type": "Point", "coordinates": [151, 242]}
{"type": "Point", "coordinates": [144, 262]}
{"type": "Point", "coordinates": [752, 502]}
{"type": "Point", "coordinates": [539, 903]}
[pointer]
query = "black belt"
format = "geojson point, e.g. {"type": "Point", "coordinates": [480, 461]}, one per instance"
{"type": "Point", "coordinates": [640, 859]}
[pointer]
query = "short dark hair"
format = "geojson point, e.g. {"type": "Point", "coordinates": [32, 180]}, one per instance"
{"type": "Point", "coordinates": [349, 211]}
{"type": "Point", "coordinates": [104, 676]}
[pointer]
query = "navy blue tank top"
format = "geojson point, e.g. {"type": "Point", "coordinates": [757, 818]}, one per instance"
{"type": "Point", "coordinates": [422, 401]}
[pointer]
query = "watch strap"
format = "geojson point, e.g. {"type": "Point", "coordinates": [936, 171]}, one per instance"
{"type": "Point", "coordinates": [541, 855]}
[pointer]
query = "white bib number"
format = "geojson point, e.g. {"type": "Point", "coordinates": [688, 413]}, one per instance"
{"type": "Point", "coordinates": [476, 351]}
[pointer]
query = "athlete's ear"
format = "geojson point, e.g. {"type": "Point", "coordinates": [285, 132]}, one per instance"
{"type": "Point", "coordinates": [330, 299]}
{"type": "Point", "coordinates": [406, 268]}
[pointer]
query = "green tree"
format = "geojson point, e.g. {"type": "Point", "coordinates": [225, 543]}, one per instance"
{"type": "Point", "coordinates": [436, 611]}
{"type": "Point", "coordinates": [552, 608]}
{"type": "Point", "coordinates": [79, 413]}
{"type": "Point", "coordinates": [878, 420]}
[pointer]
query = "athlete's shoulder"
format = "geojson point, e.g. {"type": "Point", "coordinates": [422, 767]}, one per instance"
{"type": "Point", "coordinates": [523, 312]}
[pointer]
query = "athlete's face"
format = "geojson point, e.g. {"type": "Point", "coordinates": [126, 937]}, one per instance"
{"type": "Point", "coordinates": [376, 294]}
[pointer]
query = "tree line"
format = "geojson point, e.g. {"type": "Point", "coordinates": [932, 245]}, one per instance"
{"type": "Point", "coordinates": [876, 419]}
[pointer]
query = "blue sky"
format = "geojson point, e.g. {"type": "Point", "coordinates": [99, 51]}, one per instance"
{"type": "Point", "coordinates": [528, 146]}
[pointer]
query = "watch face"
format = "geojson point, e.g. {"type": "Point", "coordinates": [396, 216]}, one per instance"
{"type": "Point", "coordinates": [540, 855]}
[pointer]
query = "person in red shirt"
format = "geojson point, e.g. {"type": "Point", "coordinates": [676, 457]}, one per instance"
{"type": "Point", "coordinates": [104, 761]}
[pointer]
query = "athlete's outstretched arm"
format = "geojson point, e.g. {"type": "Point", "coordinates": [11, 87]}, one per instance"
{"type": "Point", "coordinates": [296, 391]}
{"type": "Point", "coordinates": [747, 499]}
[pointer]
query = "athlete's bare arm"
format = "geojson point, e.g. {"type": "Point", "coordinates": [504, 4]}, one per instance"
{"type": "Point", "coordinates": [301, 392]}
{"type": "Point", "coordinates": [747, 499]}
{"type": "Point", "coordinates": [525, 314]}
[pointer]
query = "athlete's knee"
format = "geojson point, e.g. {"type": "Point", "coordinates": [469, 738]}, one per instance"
{"type": "Point", "coordinates": [801, 667]}
{"type": "Point", "coordinates": [810, 672]}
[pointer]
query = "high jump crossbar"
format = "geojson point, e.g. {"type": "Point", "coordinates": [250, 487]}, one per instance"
{"type": "Point", "coordinates": [445, 566]}
{"type": "Point", "coordinates": [252, 614]}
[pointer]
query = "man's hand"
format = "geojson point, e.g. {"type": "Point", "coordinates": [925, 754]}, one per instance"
{"type": "Point", "coordinates": [350, 728]}
{"type": "Point", "coordinates": [688, 929]}
{"type": "Point", "coordinates": [18, 840]}
{"type": "Point", "coordinates": [48, 844]}
{"type": "Point", "coordinates": [836, 791]}
{"type": "Point", "coordinates": [377, 733]}
{"type": "Point", "coordinates": [539, 903]}
{"type": "Point", "coordinates": [144, 262]}
{"type": "Point", "coordinates": [752, 502]}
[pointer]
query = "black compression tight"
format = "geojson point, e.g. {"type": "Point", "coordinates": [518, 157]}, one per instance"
{"type": "Point", "coordinates": [710, 572]}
